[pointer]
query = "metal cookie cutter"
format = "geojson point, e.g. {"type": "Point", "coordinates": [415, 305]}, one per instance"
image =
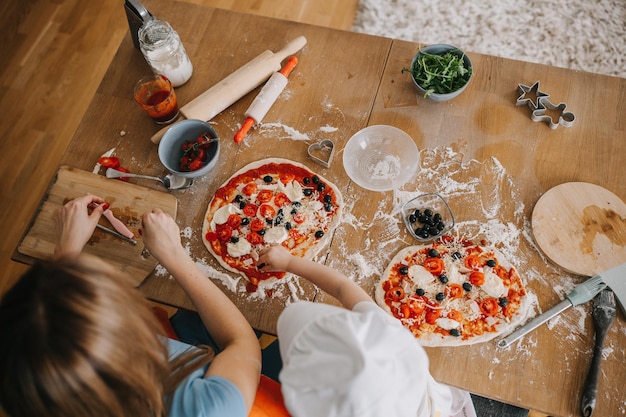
{"type": "Point", "coordinates": [566, 119]}
{"type": "Point", "coordinates": [530, 95]}
{"type": "Point", "coordinates": [322, 152]}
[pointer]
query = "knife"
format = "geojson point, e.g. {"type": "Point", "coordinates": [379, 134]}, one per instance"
{"type": "Point", "coordinates": [116, 223]}
{"type": "Point", "coordinates": [116, 234]}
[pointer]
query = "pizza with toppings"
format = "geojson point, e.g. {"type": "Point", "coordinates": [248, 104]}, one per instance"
{"type": "Point", "coordinates": [271, 201]}
{"type": "Point", "coordinates": [453, 292]}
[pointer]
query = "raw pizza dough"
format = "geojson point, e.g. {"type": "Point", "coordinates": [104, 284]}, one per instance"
{"type": "Point", "coordinates": [409, 291]}
{"type": "Point", "coordinates": [295, 226]}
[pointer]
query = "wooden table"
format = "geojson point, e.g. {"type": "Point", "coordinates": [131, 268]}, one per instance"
{"type": "Point", "coordinates": [481, 151]}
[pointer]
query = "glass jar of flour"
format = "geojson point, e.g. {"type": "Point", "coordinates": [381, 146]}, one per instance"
{"type": "Point", "coordinates": [164, 52]}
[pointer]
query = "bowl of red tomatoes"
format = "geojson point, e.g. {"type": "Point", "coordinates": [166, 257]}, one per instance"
{"type": "Point", "coordinates": [189, 148]}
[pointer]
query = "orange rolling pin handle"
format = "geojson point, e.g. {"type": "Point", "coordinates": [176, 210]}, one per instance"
{"type": "Point", "coordinates": [289, 66]}
{"type": "Point", "coordinates": [243, 131]}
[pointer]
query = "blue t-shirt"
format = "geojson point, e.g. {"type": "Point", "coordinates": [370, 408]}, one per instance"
{"type": "Point", "coordinates": [198, 396]}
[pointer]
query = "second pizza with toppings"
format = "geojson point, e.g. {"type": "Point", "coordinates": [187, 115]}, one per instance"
{"type": "Point", "coordinates": [272, 201]}
{"type": "Point", "coordinates": [453, 292]}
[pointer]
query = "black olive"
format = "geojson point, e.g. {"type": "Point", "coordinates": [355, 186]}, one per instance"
{"type": "Point", "coordinates": [238, 198]}
{"type": "Point", "coordinates": [455, 332]}
{"type": "Point", "coordinates": [440, 226]}
{"type": "Point", "coordinates": [428, 213]}
{"type": "Point", "coordinates": [306, 180]}
{"type": "Point", "coordinates": [420, 292]}
{"type": "Point", "coordinates": [491, 263]}
{"type": "Point", "coordinates": [268, 178]}
{"type": "Point", "coordinates": [319, 234]}
{"type": "Point", "coordinates": [422, 218]}
{"type": "Point", "coordinates": [417, 213]}
{"type": "Point", "coordinates": [288, 226]}
{"type": "Point", "coordinates": [307, 192]}
{"type": "Point", "coordinates": [457, 255]}
{"type": "Point", "coordinates": [403, 270]}
{"type": "Point", "coordinates": [315, 179]}
{"type": "Point", "coordinates": [412, 218]}
{"type": "Point", "coordinates": [433, 253]}
{"type": "Point", "coordinates": [425, 234]}
{"type": "Point", "coordinates": [432, 230]}
{"type": "Point", "coordinates": [437, 217]}
{"type": "Point", "coordinates": [430, 222]}
{"type": "Point", "coordinates": [296, 203]}
{"type": "Point", "coordinates": [293, 211]}
{"type": "Point", "coordinates": [269, 221]}
{"type": "Point", "coordinates": [443, 278]}
{"type": "Point", "coordinates": [242, 204]}
{"type": "Point", "coordinates": [234, 239]}
{"type": "Point", "coordinates": [245, 221]}
{"type": "Point", "coordinates": [418, 231]}
{"type": "Point", "coordinates": [261, 232]}
{"type": "Point", "coordinates": [503, 301]}
{"type": "Point", "coordinates": [467, 286]}
{"type": "Point", "coordinates": [321, 186]}
{"type": "Point", "coordinates": [440, 296]}
{"type": "Point", "coordinates": [328, 207]}
{"type": "Point", "coordinates": [328, 198]}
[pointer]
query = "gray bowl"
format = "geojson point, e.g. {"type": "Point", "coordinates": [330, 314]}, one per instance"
{"type": "Point", "coordinates": [170, 147]}
{"type": "Point", "coordinates": [440, 49]}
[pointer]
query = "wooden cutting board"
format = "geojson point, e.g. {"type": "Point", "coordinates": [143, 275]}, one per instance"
{"type": "Point", "coordinates": [581, 227]}
{"type": "Point", "coordinates": [128, 203]}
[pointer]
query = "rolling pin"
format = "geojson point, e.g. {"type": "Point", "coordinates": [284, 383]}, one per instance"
{"type": "Point", "coordinates": [267, 96]}
{"type": "Point", "coordinates": [226, 92]}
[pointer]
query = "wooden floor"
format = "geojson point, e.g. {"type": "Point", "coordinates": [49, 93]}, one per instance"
{"type": "Point", "coordinates": [55, 53]}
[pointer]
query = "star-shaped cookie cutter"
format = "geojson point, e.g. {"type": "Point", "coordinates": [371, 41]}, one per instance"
{"type": "Point", "coordinates": [530, 95]}
{"type": "Point", "coordinates": [566, 119]}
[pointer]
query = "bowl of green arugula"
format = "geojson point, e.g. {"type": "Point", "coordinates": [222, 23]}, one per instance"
{"type": "Point", "coordinates": [440, 72]}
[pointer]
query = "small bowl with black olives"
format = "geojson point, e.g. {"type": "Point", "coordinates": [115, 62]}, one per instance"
{"type": "Point", "coordinates": [427, 217]}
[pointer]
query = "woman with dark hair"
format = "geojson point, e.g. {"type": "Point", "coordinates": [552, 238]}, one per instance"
{"type": "Point", "coordinates": [80, 340]}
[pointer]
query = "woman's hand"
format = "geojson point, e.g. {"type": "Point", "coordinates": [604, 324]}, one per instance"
{"type": "Point", "coordinates": [274, 258]}
{"type": "Point", "coordinates": [161, 235]}
{"type": "Point", "coordinates": [76, 222]}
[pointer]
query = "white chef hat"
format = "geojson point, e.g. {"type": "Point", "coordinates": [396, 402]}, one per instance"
{"type": "Point", "coordinates": [338, 362]}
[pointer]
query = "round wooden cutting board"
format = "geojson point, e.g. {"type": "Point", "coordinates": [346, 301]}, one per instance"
{"type": "Point", "coordinates": [581, 227]}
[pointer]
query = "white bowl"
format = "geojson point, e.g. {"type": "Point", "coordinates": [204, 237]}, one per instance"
{"type": "Point", "coordinates": [381, 158]}
{"type": "Point", "coordinates": [170, 147]}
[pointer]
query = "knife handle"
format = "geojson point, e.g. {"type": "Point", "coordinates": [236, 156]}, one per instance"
{"type": "Point", "coordinates": [534, 323]}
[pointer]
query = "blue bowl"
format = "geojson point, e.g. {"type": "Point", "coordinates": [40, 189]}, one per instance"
{"type": "Point", "coordinates": [171, 151]}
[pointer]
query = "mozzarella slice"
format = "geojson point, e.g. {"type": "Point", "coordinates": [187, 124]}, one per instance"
{"type": "Point", "coordinates": [493, 284]}
{"type": "Point", "coordinates": [238, 249]}
{"type": "Point", "coordinates": [275, 235]}
{"type": "Point", "coordinates": [221, 215]}
{"type": "Point", "coordinates": [420, 275]}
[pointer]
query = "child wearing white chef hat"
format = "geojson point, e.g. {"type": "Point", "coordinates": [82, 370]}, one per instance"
{"type": "Point", "coordinates": [352, 361]}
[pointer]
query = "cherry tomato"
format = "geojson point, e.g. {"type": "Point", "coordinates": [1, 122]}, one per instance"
{"type": "Point", "coordinates": [265, 196]}
{"type": "Point", "coordinates": [267, 211]}
{"type": "Point", "coordinates": [281, 199]}
{"type": "Point", "coordinates": [432, 315]}
{"type": "Point", "coordinates": [489, 307]}
{"type": "Point", "coordinates": [109, 162]}
{"type": "Point", "coordinates": [254, 238]}
{"type": "Point", "coordinates": [395, 294]}
{"type": "Point", "coordinates": [455, 315]}
{"type": "Point", "coordinates": [473, 262]}
{"type": "Point", "coordinates": [256, 225]}
{"type": "Point", "coordinates": [195, 165]}
{"type": "Point", "coordinates": [299, 218]}
{"type": "Point", "coordinates": [234, 221]}
{"type": "Point", "coordinates": [224, 232]}
{"type": "Point", "coordinates": [477, 278]}
{"type": "Point", "coordinates": [286, 178]}
{"type": "Point", "coordinates": [434, 265]}
{"type": "Point", "coordinates": [211, 236]}
{"type": "Point", "coordinates": [249, 189]}
{"type": "Point", "coordinates": [454, 291]}
{"type": "Point", "coordinates": [250, 210]}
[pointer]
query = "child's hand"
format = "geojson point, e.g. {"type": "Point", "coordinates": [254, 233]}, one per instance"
{"type": "Point", "coordinates": [274, 258]}
{"type": "Point", "coordinates": [76, 223]}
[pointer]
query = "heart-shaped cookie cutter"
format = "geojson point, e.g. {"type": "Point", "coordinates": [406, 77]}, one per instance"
{"type": "Point", "coordinates": [320, 146]}
{"type": "Point", "coordinates": [566, 119]}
